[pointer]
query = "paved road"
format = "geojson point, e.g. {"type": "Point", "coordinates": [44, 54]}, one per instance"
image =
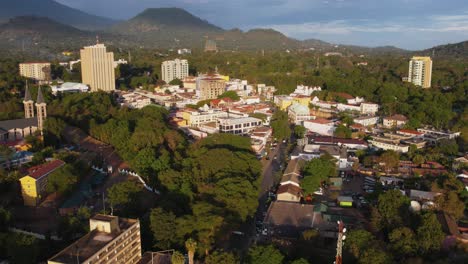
{"type": "Point", "coordinates": [270, 167]}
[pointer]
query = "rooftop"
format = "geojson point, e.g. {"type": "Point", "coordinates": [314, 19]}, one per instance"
{"type": "Point", "coordinates": [290, 188]}
{"type": "Point", "coordinates": [41, 170]}
{"type": "Point", "coordinates": [85, 247]}
{"type": "Point", "coordinates": [397, 118]}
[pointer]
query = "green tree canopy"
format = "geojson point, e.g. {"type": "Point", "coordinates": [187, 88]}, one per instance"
{"type": "Point", "coordinates": [316, 171]}
{"type": "Point", "coordinates": [429, 234]}
{"type": "Point", "coordinates": [264, 254]}
{"type": "Point", "coordinates": [230, 94]}
{"type": "Point", "coordinates": [221, 257]}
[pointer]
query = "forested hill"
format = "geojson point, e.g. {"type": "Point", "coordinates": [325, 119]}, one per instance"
{"type": "Point", "coordinates": [164, 20]}
{"type": "Point", "coordinates": [53, 10]}
{"type": "Point", "coordinates": [454, 50]}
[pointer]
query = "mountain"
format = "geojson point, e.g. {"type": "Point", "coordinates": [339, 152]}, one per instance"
{"type": "Point", "coordinates": [164, 19]}
{"type": "Point", "coordinates": [32, 33]}
{"type": "Point", "coordinates": [450, 50]}
{"type": "Point", "coordinates": [166, 27]}
{"type": "Point", "coordinates": [53, 10]}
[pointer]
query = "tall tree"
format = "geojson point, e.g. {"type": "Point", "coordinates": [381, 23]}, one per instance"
{"type": "Point", "coordinates": [191, 246]}
{"type": "Point", "coordinates": [429, 234]}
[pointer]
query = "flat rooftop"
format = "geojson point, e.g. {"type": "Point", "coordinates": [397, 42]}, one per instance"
{"type": "Point", "coordinates": [91, 243]}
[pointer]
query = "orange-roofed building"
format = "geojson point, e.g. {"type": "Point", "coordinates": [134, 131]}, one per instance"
{"type": "Point", "coordinates": [33, 185]}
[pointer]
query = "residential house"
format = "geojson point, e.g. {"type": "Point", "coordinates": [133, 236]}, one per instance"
{"type": "Point", "coordinates": [289, 193]}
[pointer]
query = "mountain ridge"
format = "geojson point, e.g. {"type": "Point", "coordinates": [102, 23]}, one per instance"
{"type": "Point", "coordinates": [55, 11]}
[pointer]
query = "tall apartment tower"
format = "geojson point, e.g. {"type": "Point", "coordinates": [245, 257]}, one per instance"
{"type": "Point", "coordinates": [174, 69]}
{"type": "Point", "coordinates": [111, 240]}
{"type": "Point", "coordinates": [28, 104]}
{"type": "Point", "coordinates": [41, 109]}
{"type": "Point", "coordinates": [39, 71]}
{"type": "Point", "coordinates": [97, 68]}
{"type": "Point", "coordinates": [420, 71]}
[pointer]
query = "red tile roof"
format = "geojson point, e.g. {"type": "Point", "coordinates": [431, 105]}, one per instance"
{"type": "Point", "coordinates": [289, 188]}
{"type": "Point", "coordinates": [41, 170]}
{"type": "Point", "coordinates": [410, 131]}
{"type": "Point", "coordinates": [344, 95]}
{"type": "Point", "coordinates": [320, 121]}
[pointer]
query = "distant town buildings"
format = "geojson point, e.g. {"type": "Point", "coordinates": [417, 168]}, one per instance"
{"type": "Point", "coordinates": [119, 62]}
{"type": "Point", "coordinates": [420, 71]}
{"type": "Point", "coordinates": [184, 51]}
{"type": "Point", "coordinates": [174, 69]}
{"type": "Point", "coordinates": [97, 68]}
{"type": "Point", "coordinates": [39, 71]}
{"type": "Point", "coordinates": [111, 240]}
{"type": "Point", "coordinates": [210, 45]}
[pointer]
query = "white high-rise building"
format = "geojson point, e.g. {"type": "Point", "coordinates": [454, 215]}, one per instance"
{"type": "Point", "coordinates": [97, 68]}
{"type": "Point", "coordinates": [39, 71]}
{"type": "Point", "coordinates": [174, 69]}
{"type": "Point", "coordinates": [420, 71]}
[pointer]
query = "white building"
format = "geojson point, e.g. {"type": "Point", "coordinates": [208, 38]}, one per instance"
{"type": "Point", "coordinates": [238, 125]}
{"type": "Point", "coordinates": [348, 107]}
{"type": "Point", "coordinates": [367, 120]}
{"type": "Point", "coordinates": [69, 87]}
{"type": "Point", "coordinates": [120, 61]}
{"type": "Point", "coordinates": [196, 117]}
{"type": "Point", "coordinates": [394, 121]}
{"type": "Point", "coordinates": [298, 113]}
{"type": "Point", "coordinates": [184, 51]}
{"type": "Point", "coordinates": [369, 108]}
{"type": "Point", "coordinates": [39, 71]}
{"type": "Point", "coordinates": [420, 71]}
{"type": "Point", "coordinates": [174, 69]}
{"type": "Point", "coordinates": [387, 145]}
{"type": "Point", "coordinates": [306, 90]}
{"type": "Point", "coordinates": [320, 126]}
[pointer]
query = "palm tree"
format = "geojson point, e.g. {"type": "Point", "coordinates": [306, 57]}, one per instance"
{"type": "Point", "coordinates": [177, 258]}
{"type": "Point", "coordinates": [191, 246]}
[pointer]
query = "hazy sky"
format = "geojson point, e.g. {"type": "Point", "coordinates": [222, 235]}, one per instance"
{"type": "Point", "coordinates": [410, 24]}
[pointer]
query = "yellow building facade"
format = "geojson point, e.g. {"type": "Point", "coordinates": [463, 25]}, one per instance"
{"type": "Point", "coordinates": [34, 185]}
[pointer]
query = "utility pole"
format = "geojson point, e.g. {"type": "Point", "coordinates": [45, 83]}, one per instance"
{"type": "Point", "coordinates": [339, 243]}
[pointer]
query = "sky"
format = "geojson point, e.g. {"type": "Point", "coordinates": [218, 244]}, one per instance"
{"type": "Point", "coordinates": [408, 24]}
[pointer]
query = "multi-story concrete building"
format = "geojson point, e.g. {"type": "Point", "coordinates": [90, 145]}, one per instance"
{"type": "Point", "coordinates": [211, 86]}
{"type": "Point", "coordinates": [33, 185]}
{"type": "Point", "coordinates": [369, 108]}
{"type": "Point", "coordinates": [238, 125]}
{"type": "Point", "coordinates": [394, 121]}
{"type": "Point", "coordinates": [97, 68]}
{"type": "Point", "coordinates": [298, 113]}
{"type": "Point", "coordinates": [111, 240]}
{"type": "Point", "coordinates": [195, 118]}
{"type": "Point", "coordinates": [366, 120]}
{"type": "Point", "coordinates": [39, 71]}
{"type": "Point", "coordinates": [174, 69]}
{"type": "Point", "coordinates": [420, 71]}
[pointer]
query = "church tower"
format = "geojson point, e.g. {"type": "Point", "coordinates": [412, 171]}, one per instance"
{"type": "Point", "coordinates": [28, 104]}
{"type": "Point", "coordinates": [41, 108]}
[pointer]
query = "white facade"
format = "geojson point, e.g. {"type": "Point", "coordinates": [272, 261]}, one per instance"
{"type": "Point", "coordinates": [39, 71]}
{"type": "Point", "coordinates": [369, 108]}
{"type": "Point", "coordinates": [240, 125]}
{"type": "Point", "coordinates": [174, 69]}
{"type": "Point", "coordinates": [366, 120]}
{"type": "Point", "coordinates": [320, 126]}
{"type": "Point", "coordinates": [70, 87]}
{"type": "Point", "coordinates": [420, 71]}
{"type": "Point", "coordinates": [389, 146]}
{"type": "Point", "coordinates": [298, 113]}
{"type": "Point", "coordinates": [306, 90]}
{"type": "Point", "coordinates": [196, 118]}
